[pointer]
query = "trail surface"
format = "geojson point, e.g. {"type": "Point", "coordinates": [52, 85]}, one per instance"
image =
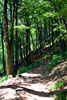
{"type": "Point", "coordinates": [32, 85]}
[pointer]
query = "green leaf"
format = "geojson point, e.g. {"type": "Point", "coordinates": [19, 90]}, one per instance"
{"type": "Point", "coordinates": [21, 27]}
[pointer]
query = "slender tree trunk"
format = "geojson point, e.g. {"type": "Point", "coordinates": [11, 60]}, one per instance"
{"type": "Point", "coordinates": [24, 47]}
{"type": "Point", "coordinates": [27, 46]}
{"type": "Point", "coordinates": [36, 39]}
{"type": "Point", "coordinates": [40, 39]}
{"type": "Point", "coordinates": [49, 36]}
{"type": "Point", "coordinates": [11, 11]}
{"type": "Point", "coordinates": [16, 46]}
{"type": "Point", "coordinates": [28, 49]}
{"type": "Point", "coordinates": [12, 33]}
{"type": "Point", "coordinates": [45, 31]}
{"type": "Point", "coordinates": [21, 50]}
{"type": "Point", "coordinates": [8, 42]}
{"type": "Point", "coordinates": [11, 41]}
{"type": "Point", "coordinates": [52, 38]}
{"type": "Point", "coordinates": [2, 34]}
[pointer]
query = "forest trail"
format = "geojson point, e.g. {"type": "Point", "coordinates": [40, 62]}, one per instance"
{"type": "Point", "coordinates": [32, 85]}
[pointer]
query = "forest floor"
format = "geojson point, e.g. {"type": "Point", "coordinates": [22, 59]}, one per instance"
{"type": "Point", "coordinates": [32, 85]}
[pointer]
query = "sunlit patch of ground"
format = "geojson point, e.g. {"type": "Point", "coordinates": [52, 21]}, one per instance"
{"type": "Point", "coordinates": [27, 75]}
{"type": "Point", "coordinates": [8, 94]}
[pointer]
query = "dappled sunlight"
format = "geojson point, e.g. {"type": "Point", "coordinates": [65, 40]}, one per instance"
{"type": "Point", "coordinates": [30, 75]}
{"type": "Point", "coordinates": [34, 85]}
{"type": "Point", "coordinates": [8, 94]}
{"type": "Point", "coordinates": [33, 50]}
{"type": "Point", "coordinates": [37, 87]}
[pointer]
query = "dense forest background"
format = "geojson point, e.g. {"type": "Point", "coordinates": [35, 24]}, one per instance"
{"type": "Point", "coordinates": [33, 49]}
{"type": "Point", "coordinates": [27, 27]}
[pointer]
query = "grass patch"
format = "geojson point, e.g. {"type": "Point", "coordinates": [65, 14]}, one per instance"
{"type": "Point", "coordinates": [58, 85]}
{"type": "Point", "coordinates": [62, 95]}
{"type": "Point", "coordinates": [25, 69]}
{"type": "Point", "coordinates": [4, 78]}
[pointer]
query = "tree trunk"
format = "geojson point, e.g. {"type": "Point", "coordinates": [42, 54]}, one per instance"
{"type": "Point", "coordinates": [36, 38]}
{"type": "Point", "coordinates": [8, 42]}
{"type": "Point", "coordinates": [24, 47]}
{"type": "Point", "coordinates": [12, 33]}
{"type": "Point", "coordinates": [49, 36]}
{"type": "Point", "coordinates": [2, 33]}
{"type": "Point", "coordinates": [45, 31]}
{"type": "Point", "coordinates": [27, 46]}
{"type": "Point", "coordinates": [28, 49]}
{"type": "Point", "coordinates": [9, 59]}
{"type": "Point", "coordinates": [21, 55]}
{"type": "Point", "coordinates": [52, 39]}
{"type": "Point", "coordinates": [40, 39]}
{"type": "Point", "coordinates": [16, 45]}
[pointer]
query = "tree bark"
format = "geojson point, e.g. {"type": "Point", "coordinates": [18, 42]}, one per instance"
{"type": "Point", "coordinates": [9, 59]}
{"type": "Point", "coordinates": [40, 39]}
{"type": "Point", "coordinates": [2, 33]}
{"type": "Point", "coordinates": [16, 45]}
{"type": "Point", "coordinates": [8, 42]}
{"type": "Point", "coordinates": [20, 44]}
{"type": "Point", "coordinates": [52, 38]}
{"type": "Point", "coordinates": [27, 46]}
{"type": "Point", "coordinates": [45, 31]}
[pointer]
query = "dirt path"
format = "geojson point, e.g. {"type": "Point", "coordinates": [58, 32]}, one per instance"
{"type": "Point", "coordinates": [29, 86]}
{"type": "Point", "coordinates": [33, 85]}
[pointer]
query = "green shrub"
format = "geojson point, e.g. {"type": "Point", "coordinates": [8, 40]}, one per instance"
{"type": "Point", "coordinates": [62, 95]}
{"type": "Point", "coordinates": [54, 60]}
{"type": "Point", "coordinates": [57, 84]}
{"type": "Point", "coordinates": [65, 56]}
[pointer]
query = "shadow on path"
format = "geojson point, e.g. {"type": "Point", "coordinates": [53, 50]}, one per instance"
{"type": "Point", "coordinates": [40, 93]}
{"type": "Point", "coordinates": [9, 86]}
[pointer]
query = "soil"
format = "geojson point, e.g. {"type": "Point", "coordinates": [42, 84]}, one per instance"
{"type": "Point", "coordinates": [32, 85]}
